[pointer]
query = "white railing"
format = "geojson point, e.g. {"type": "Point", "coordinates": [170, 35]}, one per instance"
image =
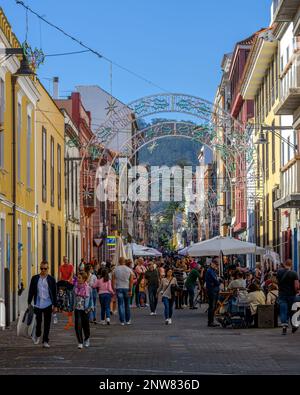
{"type": "Point", "coordinates": [291, 79]}
{"type": "Point", "coordinates": [290, 180]}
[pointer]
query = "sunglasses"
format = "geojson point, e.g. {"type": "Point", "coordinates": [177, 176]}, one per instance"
{"type": "Point", "coordinates": [43, 268]}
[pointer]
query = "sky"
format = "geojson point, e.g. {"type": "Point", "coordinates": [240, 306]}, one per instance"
{"type": "Point", "coordinates": [176, 44]}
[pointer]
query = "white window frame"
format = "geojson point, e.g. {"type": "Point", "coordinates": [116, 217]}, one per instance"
{"type": "Point", "coordinates": [28, 146]}
{"type": "Point", "coordinates": [19, 132]}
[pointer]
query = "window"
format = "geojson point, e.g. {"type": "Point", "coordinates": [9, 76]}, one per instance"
{"type": "Point", "coordinates": [52, 170]}
{"type": "Point", "coordinates": [273, 150]}
{"type": "Point", "coordinates": [72, 188]}
{"type": "Point", "coordinates": [2, 108]}
{"type": "Point", "coordinates": [76, 185]}
{"type": "Point", "coordinates": [28, 159]}
{"type": "Point", "coordinates": [44, 165]}
{"type": "Point", "coordinates": [52, 244]}
{"type": "Point", "coordinates": [45, 241]}
{"type": "Point", "coordinates": [19, 126]}
{"type": "Point", "coordinates": [59, 176]}
{"type": "Point", "coordinates": [267, 157]}
{"type": "Point", "coordinates": [59, 245]}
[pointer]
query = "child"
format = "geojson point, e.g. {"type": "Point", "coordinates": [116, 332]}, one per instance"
{"type": "Point", "coordinates": [83, 304]}
{"type": "Point", "coordinates": [105, 291]}
{"type": "Point", "coordinates": [142, 290]}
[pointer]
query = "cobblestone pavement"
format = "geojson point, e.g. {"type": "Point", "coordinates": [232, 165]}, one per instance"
{"type": "Point", "coordinates": [148, 346]}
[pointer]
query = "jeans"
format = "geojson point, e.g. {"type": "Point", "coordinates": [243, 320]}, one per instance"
{"type": "Point", "coordinates": [191, 292]}
{"type": "Point", "coordinates": [213, 297]}
{"type": "Point", "coordinates": [152, 290]}
{"type": "Point", "coordinates": [179, 299]}
{"type": "Point", "coordinates": [94, 297]}
{"type": "Point", "coordinates": [105, 300]}
{"type": "Point", "coordinates": [168, 303]}
{"type": "Point", "coordinates": [123, 304]}
{"type": "Point", "coordinates": [142, 299]}
{"type": "Point", "coordinates": [47, 312]}
{"type": "Point", "coordinates": [82, 325]}
{"type": "Point", "coordinates": [285, 307]}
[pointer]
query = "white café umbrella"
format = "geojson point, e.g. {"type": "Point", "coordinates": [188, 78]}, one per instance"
{"type": "Point", "coordinates": [120, 251]}
{"type": "Point", "coordinates": [139, 250]}
{"type": "Point", "coordinates": [223, 245]}
{"type": "Point", "coordinates": [183, 252]}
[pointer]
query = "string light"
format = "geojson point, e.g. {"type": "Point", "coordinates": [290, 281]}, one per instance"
{"type": "Point", "coordinates": [89, 49]}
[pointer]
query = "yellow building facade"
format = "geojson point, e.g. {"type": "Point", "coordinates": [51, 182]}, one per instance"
{"type": "Point", "coordinates": [50, 127]}
{"type": "Point", "coordinates": [261, 84]}
{"type": "Point", "coordinates": [17, 177]}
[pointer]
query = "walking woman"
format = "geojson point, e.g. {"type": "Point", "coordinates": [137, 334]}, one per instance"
{"type": "Point", "coordinates": [91, 280]}
{"type": "Point", "coordinates": [167, 290]}
{"type": "Point", "coordinates": [105, 290]}
{"type": "Point", "coordinates": [83, 306]}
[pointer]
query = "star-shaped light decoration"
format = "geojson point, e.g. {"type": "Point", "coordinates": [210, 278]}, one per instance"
{"type": "Point", "coordinates": [111, 106]}
{"type": "Point", "coordinates": [152, 147]}
{"type": "Point", "coordinates": [87, 193]}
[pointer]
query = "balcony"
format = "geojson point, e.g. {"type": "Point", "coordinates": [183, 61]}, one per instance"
{"type": "Point", "coordinates": [284, 10]}
{"type": "Point", "coordinates": [289, 186]}
{"type": "Point", "coordinates": [289, 90]}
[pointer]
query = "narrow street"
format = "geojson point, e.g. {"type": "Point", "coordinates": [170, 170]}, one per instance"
{"type": "Point", "coordinates": [149, 347]}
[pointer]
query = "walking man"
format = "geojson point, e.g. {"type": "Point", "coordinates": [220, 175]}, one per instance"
{"type": "Point", "coordinates": [152, 277]}
{"type": "Point", "coordinates": [190, 284]}
{"type": "Point", "coordinates": [122, 280]}
{"type": "Point", "coordinates": [288, 284]}
{"type": "Point", "coordinates": [213, 289]}
{"type": "Point", "coordinates": [43, 291]}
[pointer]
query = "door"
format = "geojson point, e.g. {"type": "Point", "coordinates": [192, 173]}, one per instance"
{"type": "Point", "coordinates": [52, 244]}
{"type": "Point", "coordinates": [2, 258]}
{"type": "Point", "coordinates": [29, 255]}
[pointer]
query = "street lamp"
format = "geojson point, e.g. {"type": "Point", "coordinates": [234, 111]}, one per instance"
{"type": "Point", "coordinates": [262, 140]}
{"type": "Point", "coordinates": [24, 70]}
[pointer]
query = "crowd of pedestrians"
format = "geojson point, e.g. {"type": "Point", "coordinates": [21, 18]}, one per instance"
{"type": "Point", "coordinates": [179, 282]}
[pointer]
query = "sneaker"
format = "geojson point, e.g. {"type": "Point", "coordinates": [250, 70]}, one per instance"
{"type": "Point", "coordinates": [151, 313]}
{"type": "Point", "coordinates": [122, 323]}
{"type": "Point", "coordinates": [128, 323]}
{"type": "Point", "coordinates": [108, 321]}
{"type": "Point", "coordinates": [80, 346]}
{"type": "Point", "coordinates": [86, 343]}
{"type": "Point", "coordinates": [170, 321]}
{"type": "Point", "coordinates": [46, 345]}
{"type": "Point", "coordinates": [167, 322]}
{"type": "Point", "coordinates": [102, 322]}
{"type": "Point", "coordinates": [35, 340]}
{"type": "Point", "coordinates": [154, 313]}
{"type": "Point", "coordinates": [284, 330]}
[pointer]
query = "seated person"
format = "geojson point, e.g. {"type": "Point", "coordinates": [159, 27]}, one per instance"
{"type": "Point", "coordinates": [239, 282]}
{"type": "Point", "coordinates": [272, 294]}
{"type": "Point", "coordinates": [255, 297]}
{"type": "Point", "coordinates": [272, 297]}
